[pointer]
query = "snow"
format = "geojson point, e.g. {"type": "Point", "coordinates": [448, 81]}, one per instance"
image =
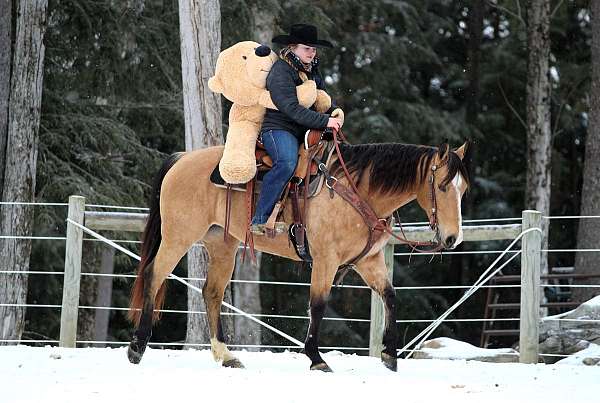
{"type": "Point", "coordinates": [592, 352]}
{"type": "Point", "coordinates": [581, 312]}
{"type": "Point", "coordinates": [594, 302]}
{"type": "Point", "coordinates": [450, 349]}
{"type": "Point", "coordinates": [52, 374]}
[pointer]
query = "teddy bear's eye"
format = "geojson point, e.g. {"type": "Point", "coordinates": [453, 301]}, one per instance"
{"type": "Point", "coordinates": [244, 57]}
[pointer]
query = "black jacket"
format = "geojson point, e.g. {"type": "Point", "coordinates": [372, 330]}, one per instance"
{"type": "Point", "coordinates": [291, 116]}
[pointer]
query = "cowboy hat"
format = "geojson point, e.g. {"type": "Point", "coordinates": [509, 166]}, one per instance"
{"type": "Point", "coordinates": [302, 33]}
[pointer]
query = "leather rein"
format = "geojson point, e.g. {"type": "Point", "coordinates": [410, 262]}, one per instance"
{"type": "Point", "coordinates": [378, 226]}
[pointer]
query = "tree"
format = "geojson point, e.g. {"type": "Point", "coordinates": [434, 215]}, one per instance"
{"type": "Point", "coordinates": [246, 296]}
{"type": "Point", "coordinates": [588, 236]}
{"type": "Point", "coordinates": [200, 30]}
{"type": "Point", "coordinates": [21, 157]}
{"type": "Point", "coordinates": [5, 61]}
{"type": "Point", "coordinates": [539, 134]}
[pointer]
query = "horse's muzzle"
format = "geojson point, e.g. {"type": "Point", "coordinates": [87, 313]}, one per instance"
{"type": "Point", "coordinates": [449, 242]}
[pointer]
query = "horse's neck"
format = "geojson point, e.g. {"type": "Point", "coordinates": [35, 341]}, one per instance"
{"type": "Point", "coordinates": [385, 205]}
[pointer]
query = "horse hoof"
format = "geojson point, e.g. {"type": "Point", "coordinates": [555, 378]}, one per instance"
{"type": "Point", "coordinates": [135, 351]}
{"type": "Point", "coordinates": [322, 366]}
{"type": "Point", "coordinates": [134, 356]}
{"type": "Point", "coordinates": [389, 361]}
{"type": "Point", "coordinates": [233, 363]}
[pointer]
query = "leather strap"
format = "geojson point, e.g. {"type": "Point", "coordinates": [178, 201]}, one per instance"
{"type": "Point", "coordinates": [249, 241]}
{"type": "Point", "coordinates": [374, 224]}
{"type": "Point", "coordinates": [227, 212]}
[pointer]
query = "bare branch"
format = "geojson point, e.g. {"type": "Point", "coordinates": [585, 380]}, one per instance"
{"type": "Point", "coordinates": [513, 110]}
{"type": "Point", "coordinates": [517, 15]}
{"type": "Point", "coordinates": [556, 8]}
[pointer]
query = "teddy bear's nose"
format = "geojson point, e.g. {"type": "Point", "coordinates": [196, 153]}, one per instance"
{"type": "Point", "coordinates": [262, 51]}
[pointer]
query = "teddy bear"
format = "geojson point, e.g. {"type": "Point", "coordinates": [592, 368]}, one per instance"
{"type": "Point", "coordinates": [241, 76]}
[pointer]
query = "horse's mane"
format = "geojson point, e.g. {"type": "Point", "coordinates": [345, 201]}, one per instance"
{"type": "Point", "coordinates": [393, 167]}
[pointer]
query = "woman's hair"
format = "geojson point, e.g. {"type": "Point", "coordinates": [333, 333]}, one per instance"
{"type": "Point", "coordinates": [287, 54]}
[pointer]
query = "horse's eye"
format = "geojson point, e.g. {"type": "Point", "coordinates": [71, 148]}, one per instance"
{"type": "Point", "coordinates": [442, 188]}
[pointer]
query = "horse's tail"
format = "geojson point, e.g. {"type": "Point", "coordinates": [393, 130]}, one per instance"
{"type": "Point", "coordinates": [151, 239]}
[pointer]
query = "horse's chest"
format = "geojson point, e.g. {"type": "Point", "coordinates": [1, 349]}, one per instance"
{"type": "Point", "coordinates": [379, 244]}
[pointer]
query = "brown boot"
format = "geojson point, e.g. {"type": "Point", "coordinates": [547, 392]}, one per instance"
{"type": "Point", "coordinates": [257, 229]}
{"type": "Point", "coordinates": [280, 227]}
{"type": "Point", "coordinates": [260, 229]}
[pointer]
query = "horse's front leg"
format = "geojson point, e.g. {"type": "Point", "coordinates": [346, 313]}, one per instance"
{"type": "Point", "coordinates": [220, 268]}
{"type": "Point", "coordinates": [373, 271]}
{"type": "Point", "coordinates": [320, 287]}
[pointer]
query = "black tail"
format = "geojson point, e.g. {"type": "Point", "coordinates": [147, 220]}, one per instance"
{"type": "Point", "coordinates": [151, 239]}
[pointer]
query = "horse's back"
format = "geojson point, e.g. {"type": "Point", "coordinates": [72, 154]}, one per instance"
{"type": "Point", "coordinates": [187, 184]}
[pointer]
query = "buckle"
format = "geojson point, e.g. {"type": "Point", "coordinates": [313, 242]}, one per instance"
{"type": "Point", "coordinates": [327, 182]}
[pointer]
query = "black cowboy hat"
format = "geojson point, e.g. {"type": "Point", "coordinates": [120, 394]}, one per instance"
{"type": "Point", "coordinates": [302, 33]}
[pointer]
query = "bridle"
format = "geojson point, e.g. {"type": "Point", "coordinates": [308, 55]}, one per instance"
{"type": "Point", "coordinates": [378, 226]}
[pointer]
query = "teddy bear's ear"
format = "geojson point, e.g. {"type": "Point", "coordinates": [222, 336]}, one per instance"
{"type": "Point", "coordinates": [215, 85]}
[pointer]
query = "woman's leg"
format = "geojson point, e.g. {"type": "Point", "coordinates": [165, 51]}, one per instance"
{"type": "Point", "coordinates": [282, 147]}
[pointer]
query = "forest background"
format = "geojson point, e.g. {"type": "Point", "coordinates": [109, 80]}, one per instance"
{"type": "Point", "coordinates": [403, 71]}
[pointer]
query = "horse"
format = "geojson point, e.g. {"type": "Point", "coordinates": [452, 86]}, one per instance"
{"type": "Point", "coordinates": [186, 207]}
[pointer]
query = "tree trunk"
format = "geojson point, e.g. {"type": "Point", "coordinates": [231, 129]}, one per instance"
{"type": "Point", "coordinates": [5, 62]}
{"type": "Point", "coordinates": [104, 296]}
{"type": "Point", "coordinates": [588, 236]}
{"type": "Point", "coordinates": [264, 21]}
{"type": "Point", "coordinates": [88, 291]}
{"type": "Point", "coordinates": [200, 32]}
{"type": "Point", "coordinates": [246, 296]}
{"type": "Point", "coordinates": [21, 157]}
{"type": "Point", "coordinates": [539, 136]}
{"type": "Point", "coordinates": [460, 264]}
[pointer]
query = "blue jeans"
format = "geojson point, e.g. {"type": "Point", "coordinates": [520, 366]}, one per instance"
{"type": "Point", "coordinates": [282, 147]}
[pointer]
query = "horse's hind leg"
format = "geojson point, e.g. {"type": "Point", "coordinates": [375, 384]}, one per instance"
{"type": "Point", "coordinates": [167, 257]}
{"type": "Point", "coordinates": [373, 271]}
{"type": "Point", "coordinates": [220, 268]}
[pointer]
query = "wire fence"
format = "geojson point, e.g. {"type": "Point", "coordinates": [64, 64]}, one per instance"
{"type": "Point", "coordinates": [294, 284]}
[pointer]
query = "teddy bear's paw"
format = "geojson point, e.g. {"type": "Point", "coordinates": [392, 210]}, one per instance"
{"type": "Point", "coordinates": [323, 101]}
{"type": "Point", "coordinates": [307, 93]}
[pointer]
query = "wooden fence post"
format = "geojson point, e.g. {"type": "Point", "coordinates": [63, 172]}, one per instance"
{"type": "Point", "coordinates": [531, 245]}
{"type": "Point", "coordinates": [74, 245]}
{"type": "Point", "coordinates": [378, 310]}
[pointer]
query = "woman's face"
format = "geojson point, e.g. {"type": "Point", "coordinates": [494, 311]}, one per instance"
{"type": "Point", "coordinates": [304, 52]}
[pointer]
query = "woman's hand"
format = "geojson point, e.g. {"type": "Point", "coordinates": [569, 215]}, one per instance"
{"type": "Point", "coordinates": [334, 123]}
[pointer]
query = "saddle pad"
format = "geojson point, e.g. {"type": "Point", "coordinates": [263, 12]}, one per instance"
{"type": "Point", "coordinates": [218, 181]}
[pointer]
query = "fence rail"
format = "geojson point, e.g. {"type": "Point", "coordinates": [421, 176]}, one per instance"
{"type": "Point", "coordinates": [134, 222]}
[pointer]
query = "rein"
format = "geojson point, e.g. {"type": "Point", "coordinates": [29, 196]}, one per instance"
{"type": "Point", "coordinates": [373, 222]}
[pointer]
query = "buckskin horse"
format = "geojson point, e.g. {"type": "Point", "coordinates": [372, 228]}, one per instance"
{"type": "Point", "coordinates": [186, 208]}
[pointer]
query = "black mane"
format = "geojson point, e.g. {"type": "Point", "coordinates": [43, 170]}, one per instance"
{"type": "Point", "coordinates": [393, 167]}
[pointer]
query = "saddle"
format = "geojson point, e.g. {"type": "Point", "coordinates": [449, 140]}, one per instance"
{"type": "Point", "coordinates": [306, 183]}
{"type": "Point", "coordinates": [313, 138]}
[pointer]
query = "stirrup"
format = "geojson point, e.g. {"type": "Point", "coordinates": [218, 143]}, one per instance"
{"type": "Point", "coordinates": [260, 229]}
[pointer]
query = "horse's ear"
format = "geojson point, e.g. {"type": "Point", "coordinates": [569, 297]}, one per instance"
{"type": "Point", "coordinates": [462, 150]}
{"type": "Point", "coordinates": [444, 152]}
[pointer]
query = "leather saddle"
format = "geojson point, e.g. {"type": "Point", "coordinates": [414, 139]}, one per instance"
{"type": "Point", "coordinates": [316, 144]}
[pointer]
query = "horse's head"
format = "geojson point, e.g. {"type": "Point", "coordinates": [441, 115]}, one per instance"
{"type": "Point", "coordinates": [441, 193]}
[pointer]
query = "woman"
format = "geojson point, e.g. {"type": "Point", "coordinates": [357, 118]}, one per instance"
{"type": "Point", "coordinates": [283, 129]}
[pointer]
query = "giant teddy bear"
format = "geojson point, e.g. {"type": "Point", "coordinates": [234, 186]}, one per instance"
{"type": "Point", "coordinates": [241, 76]}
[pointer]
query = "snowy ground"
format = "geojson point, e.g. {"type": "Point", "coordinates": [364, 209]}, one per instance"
{"type": "Point", "coordinates": [45, 374]}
